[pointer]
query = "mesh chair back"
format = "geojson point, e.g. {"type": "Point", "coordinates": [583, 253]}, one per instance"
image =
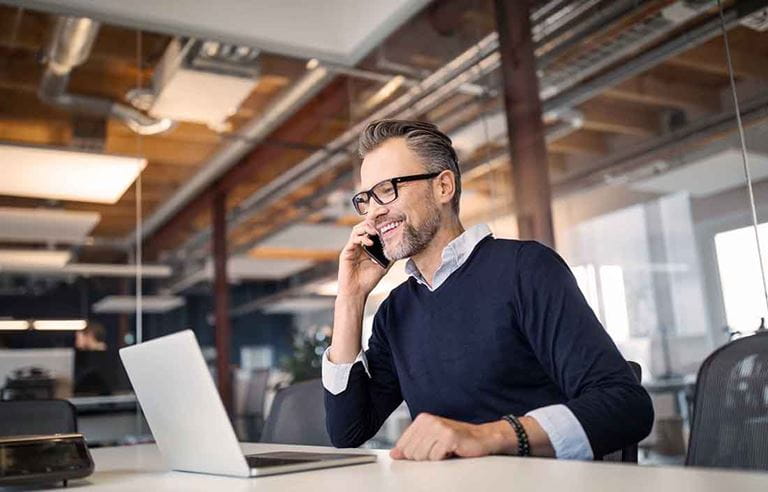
{"type": "Point", "coordinates": [25, 417]}
{"type": "Point", "coordinates": [730, 412]}
{"type": "Point", "coordinates": [629, 453]}
{"type": "Point", "coordinates": [298, 416]}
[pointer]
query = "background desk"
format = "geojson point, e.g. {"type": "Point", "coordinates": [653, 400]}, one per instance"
{"type": "Point", "coordinates": [140, 468]}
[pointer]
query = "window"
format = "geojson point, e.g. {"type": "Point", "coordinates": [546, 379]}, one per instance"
{"type": "Point", "coordinates": [740, 276]}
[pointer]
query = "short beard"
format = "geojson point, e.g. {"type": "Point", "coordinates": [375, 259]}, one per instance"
{"type": "Point", "coordinates": [414, 240]}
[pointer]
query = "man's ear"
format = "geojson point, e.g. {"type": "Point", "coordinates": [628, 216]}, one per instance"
{"type": "Point", "coordinates": [446, 186]}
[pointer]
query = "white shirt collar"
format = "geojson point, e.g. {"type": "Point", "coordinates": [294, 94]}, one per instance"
{"type": "Point", "coordinates": [454, 255]}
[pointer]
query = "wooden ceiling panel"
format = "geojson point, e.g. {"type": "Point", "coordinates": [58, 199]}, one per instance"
{"type": "Point", "coordinates": [620, 117]}
{"type": "Point", "coordinates": [183, 153]}
{"type": "Point", "coordinates": [580, 142]}
{"type": "Point", "coordinates": [711, 58]}
{"type": "Point", "coordinates": [39, 132]}
{"type": "Point", "coordinates": [650, 90]}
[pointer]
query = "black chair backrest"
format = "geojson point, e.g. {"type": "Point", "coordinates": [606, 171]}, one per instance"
{"type": "Point", "coordinates": [730, 411]}
{"type": "Point", "coordinates": [629, 453]}
{"type": "Point", "coordinates": [298, 416]}
{"type": "Point", "coordinates": [26, 417]}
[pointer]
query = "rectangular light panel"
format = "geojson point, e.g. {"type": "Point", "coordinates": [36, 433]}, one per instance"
{"type": "Point", "coordinates": [13, 324]}
{"type": "Point", "coordinates": [46, 225]}
{"type": "Point", "coordinates": [60, 324]}
{"type": "Point", "coordinates": [50, 173]}
{"type": "Point", "coordinates": [127, 304]}
{"type": "Point", "coordinates": [33, 258]}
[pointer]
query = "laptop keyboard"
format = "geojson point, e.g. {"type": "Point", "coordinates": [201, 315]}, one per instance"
{"type": "Point", "coordinates": [260, 461]}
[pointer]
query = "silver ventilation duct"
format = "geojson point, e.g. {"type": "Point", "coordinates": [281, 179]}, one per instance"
{"type": "Point", "coordinates": [71, 45]}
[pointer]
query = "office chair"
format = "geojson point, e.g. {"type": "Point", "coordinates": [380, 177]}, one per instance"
{"type": "Point", "coordinates": [253, 408]}
{"type": "Point", "coordinates": [298, 416]}
{"type": "Point", "coordinates": [627, 454]}
{"type": "Point", "coordinates": [25, 417]}
{"type": "Point", "coordinates": [730, 417]}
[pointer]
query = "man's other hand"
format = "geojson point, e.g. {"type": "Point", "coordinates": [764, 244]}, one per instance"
{"type": "Point", "coordinates": [430, 437]}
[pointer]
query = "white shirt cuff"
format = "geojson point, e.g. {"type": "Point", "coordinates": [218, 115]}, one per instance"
{"type": "Point", "coordinates": [565, 432]}
{"type": "Point", "coordinates": [336, 376]}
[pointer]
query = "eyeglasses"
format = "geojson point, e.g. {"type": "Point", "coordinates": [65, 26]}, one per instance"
{"type": "Point", "coordinates": [384, 192]}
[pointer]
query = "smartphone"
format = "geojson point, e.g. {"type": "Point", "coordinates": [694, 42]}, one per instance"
{"type": "Point", "coordinates": [376, 252]}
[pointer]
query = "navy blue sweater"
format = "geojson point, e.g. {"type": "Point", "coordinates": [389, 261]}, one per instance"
{"type": "Point", "coordinates": [507, 333]}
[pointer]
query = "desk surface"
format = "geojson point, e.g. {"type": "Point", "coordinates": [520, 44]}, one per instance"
{"type": "Point", "coordinates": [140, 468]}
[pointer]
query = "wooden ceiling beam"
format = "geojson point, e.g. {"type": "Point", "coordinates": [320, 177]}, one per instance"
{"type": "Point", "coordinates": [650, 90]}
{"type": "Point", "coordinates": [167, 174]}
{"type": "Point", "coordinates": [156, 148]}
{"type": "Point", "coordinates": [580, 142]}
{"type": "Point", "coordinates": [620, 118]}
{"type": "Point", "coordinates": [35, 132]}
{"type": "Point", "coordinates": [710, 58]}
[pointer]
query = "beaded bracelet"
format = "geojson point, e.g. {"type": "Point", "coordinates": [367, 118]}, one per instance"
{"type": "Point", "coordinates": [523, 446]}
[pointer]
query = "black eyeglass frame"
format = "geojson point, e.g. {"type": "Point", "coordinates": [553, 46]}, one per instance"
{"type": "Point", "coordinates": [394, 181]}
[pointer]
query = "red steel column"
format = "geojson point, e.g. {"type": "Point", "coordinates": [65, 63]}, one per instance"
{"type": "Point", "coordinates": [223, 332]}
{"type": "Point", "coordinates": [527, 146]}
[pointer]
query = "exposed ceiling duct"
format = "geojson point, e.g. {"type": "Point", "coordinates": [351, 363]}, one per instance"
{"type": "Point", "coordinates": [71, 45]}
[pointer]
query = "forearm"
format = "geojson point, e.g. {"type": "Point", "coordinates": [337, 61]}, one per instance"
{"type": "Point", "coordinates": [347, 329]}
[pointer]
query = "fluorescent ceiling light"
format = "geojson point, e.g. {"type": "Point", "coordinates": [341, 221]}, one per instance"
{"type": "Point", "coordinates": [60, 324]}
{"type": "Point", "coordinates": [127, 304]}
{"type": "Point", "coordinates": [91, 270]}
{"type": "Point", "coordinates": [51, 173]}
{"type": "Point", "coordinates": [46, 225]}
{"type": "Point", "coordinates": [13, 324]}
{"type": "Point", "coordinates": [242, 267]}
{"type": "Point", "coordinates": [319, 236]}
{"type": "Point", "coordinates": [33, 258]}
{"type": "Point", "coordinates": [300, 305]}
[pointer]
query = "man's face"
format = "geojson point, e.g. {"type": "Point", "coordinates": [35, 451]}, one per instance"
{"type": "Point", "coordinates": [415, 213]}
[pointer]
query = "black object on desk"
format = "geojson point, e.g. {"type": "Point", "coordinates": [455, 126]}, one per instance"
{"type": "Point", "coordinates": [44, 459]}
{"type": "Point", "coordinates": [28, 383]}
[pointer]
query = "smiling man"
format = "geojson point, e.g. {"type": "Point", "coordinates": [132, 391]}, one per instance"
{"type": "Point", "coordinates": [489, 342]}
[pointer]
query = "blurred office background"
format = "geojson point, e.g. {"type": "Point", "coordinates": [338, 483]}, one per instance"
{"type": "Point", "coordinates": [188, 165]}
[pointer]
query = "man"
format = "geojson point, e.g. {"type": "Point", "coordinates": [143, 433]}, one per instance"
{"type": "Point", "coordinates": [490, 342]}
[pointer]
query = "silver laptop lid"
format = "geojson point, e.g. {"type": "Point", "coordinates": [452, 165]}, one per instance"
{"type": "Point", "coordinates": [182, 406]}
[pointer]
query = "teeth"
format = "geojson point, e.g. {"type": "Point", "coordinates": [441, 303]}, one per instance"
{"type": "Point", "coordinates": [390, 226]}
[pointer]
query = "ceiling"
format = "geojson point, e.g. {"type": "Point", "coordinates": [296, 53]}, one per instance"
{"type": "Point", "coordinates": [342, 31]}
{"type": "Point", "coordinates": [289, 232]}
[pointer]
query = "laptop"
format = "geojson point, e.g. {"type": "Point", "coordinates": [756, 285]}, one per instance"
{"type": "Point", "coordinates": [189, 422]}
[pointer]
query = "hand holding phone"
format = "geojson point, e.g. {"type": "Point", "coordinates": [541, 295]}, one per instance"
{"type": "Point", "coordinates": [376, 252]}
{"type": "Point", "coordinates": [362, 263]}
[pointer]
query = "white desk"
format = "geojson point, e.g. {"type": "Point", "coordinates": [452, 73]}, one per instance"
{"type": "Point", "coordinates": [140, 468]}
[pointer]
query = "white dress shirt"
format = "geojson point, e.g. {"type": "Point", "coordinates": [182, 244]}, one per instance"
{"type": "Point", "coordinates": [563, 429]}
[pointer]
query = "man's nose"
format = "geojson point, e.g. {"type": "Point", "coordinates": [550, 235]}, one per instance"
{"type": "Point", "coordinates": [375, 210]}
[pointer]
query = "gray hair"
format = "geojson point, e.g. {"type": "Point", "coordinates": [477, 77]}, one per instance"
{"type": "Point", "coordinates": [433, 147]}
